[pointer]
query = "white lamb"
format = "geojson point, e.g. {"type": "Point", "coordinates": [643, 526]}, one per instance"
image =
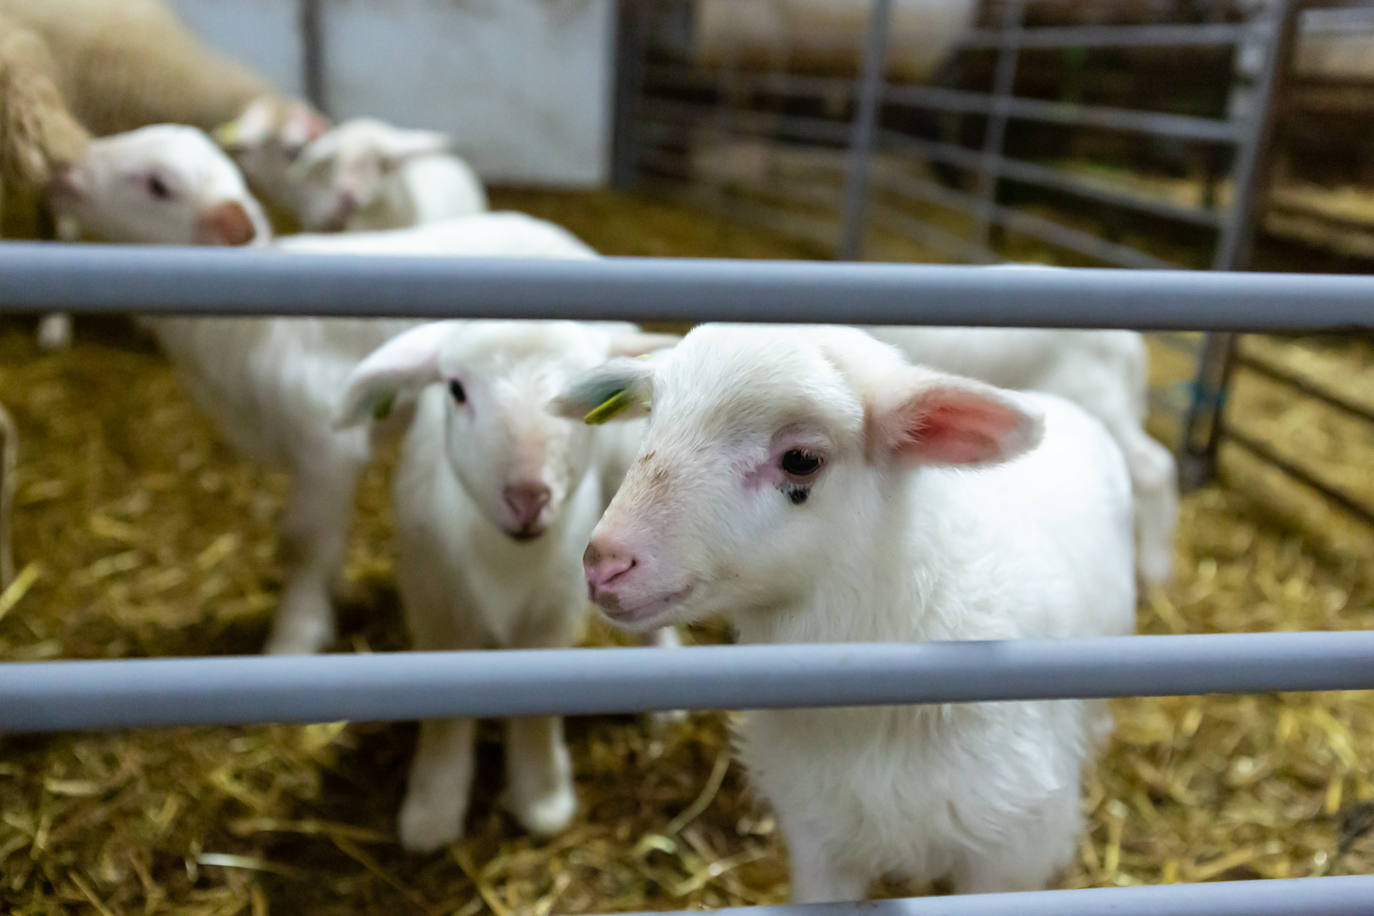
{"type": "Point", "coordinates": [1104, 372]}
{"type": "Point", "coordinates": [365, 174]}
{"type": "Point", "coordinates": [816, 487]}
{"type": "Point", "coordinates": [270, 384]}
{"type": "Point", "coordinates": [495, 499]}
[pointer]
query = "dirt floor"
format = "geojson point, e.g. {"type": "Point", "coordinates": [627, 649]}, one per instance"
{"type": "Point", "coordinates": [139, 534]}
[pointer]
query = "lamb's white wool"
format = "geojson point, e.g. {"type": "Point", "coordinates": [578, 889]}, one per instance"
{"type": "Point", "coordinates": [9, 452]}
{"type": "Point", "coordinates": [495, 498]}
{"type": "Point", "coordinates": [1104, 372]}
{"type": "Point", "coordinates": [366, 174]}
{"type": "Point", "coordinates": [818, 488]}
{"type": "Point", "coordinates": [503, 233]}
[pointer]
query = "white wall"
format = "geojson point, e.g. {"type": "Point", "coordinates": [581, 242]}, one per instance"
{"type": "Point", "coordinates": [523, 86]}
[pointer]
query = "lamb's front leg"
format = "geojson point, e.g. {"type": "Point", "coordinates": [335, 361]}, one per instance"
{"type": "Point", "coordinates": [665, 638]}
{"type": "Point", "coordinates": [817, 877]}
{"type": "Point", "coordinates": [436, 801]}
{"type": "Point", "coordinates": [539, 774]}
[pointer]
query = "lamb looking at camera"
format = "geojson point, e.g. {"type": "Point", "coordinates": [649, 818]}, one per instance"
{"type": "Point", "coordinates": [495, 499]}
{"type": "Point", "coordinates": [816, 487]}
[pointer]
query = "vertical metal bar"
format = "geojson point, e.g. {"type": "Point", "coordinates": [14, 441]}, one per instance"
{"type": "Point", "coordinates": [1202, 427]}
{"type": "Point", "coordinates": [630, 47]}
{"type": "Point", "coordinates": [1004, 81]}
{"type": "Point", "coordinates": [862, 132]}
{"type": "Point", "coordinates": [312, 53]}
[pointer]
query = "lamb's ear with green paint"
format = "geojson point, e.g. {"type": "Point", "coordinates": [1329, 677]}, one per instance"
{"type": "Point", "coordinates": [617, 390]}
{"type": "Point", "coordinates": [394, 373]}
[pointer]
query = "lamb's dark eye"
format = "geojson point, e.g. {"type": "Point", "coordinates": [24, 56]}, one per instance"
{"type": "Point", "coordinates": [158, 188]}
{"type": "Point", "coordinates": [455, 388]}
{"type": "Point", "coordinates": [798, 463]}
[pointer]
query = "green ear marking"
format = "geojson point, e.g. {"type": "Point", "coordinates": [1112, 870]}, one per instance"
{"type": "Point", "coordinates": [608, 408]}
{"type": "Point", "coordinates": [381, 409]}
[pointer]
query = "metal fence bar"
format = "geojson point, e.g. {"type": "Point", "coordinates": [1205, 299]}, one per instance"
{"type": "Point", "coordinates": [1003, 85]}
{"type": "Point", "coordinates": [1202, 425]}
{"type": "Point", "coordinates": [1346, 895]}
{"type": "Point", "coordinates": [1187, 127]}
{"type": "Point", "coordinates": [310, 16]}
{"type": "Point", "coordinates": [1047, 177]}
{"type": "Point", "coordinates": [139, 693]}
{"type": "Point", "coordinates": [1298, 383]}
{"type": "Point", "coordinates": [1043, 228]}
{"type": "Point", "coordinates": [1108, 36]}
{"type": "Point", "coordinates": [865, 124]}
{"type": "Point", "coordinates": [796, 127]}
{"type": "Point", "coordinates": [1262, 451]}
{"type": "Point", "coordinates": [890, 220]}
{"type": "Point", "coordinates": [37, 276]}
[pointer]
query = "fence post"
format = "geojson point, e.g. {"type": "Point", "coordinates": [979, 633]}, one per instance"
{"type": "Point", "coordinates": [1203, 426]}
{"type": "Point", "coordinates": [627, 66]}
{"type": "Point", "coordinates": [1004, 82]}
{"type": "Point", "coordinates": [862, 131]}
{"type": "Point", "coordinates": [312, 53]}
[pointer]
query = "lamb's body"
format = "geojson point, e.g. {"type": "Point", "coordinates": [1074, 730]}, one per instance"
{"type": "Point", "coordinates": [1104, 372]}
{"type": "Point", "coordinates": [495, 499]}
{"type": "Point", "coordinates": [985, 793]}
{"type": "Point", "coordinates": [365, 175]}
{"type": "Point", "coordinates": [502, 233]}
{"type": "Point", "coordinates": [816, 488]}
{"type": "Point", "coordinates": [424, 190]}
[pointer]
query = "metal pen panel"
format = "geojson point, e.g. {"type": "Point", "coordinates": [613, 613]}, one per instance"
{"type": "Point", "coordinates": [141, 693]}
{"type": "Point", "coordinates": [37, 277]}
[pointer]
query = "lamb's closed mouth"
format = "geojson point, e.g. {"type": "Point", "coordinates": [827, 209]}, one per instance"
{"type": "Point", "coordinates": [610, 606]}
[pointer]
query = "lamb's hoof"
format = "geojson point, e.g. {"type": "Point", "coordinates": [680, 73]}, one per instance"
{"type": "Point", "coordinates": [546, 814]}
{"type": "Point", "coordinates": [428, 824]}
{"type": "Point", "coordinates": [54, 333]}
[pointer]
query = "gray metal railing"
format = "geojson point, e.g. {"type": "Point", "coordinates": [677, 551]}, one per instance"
{"type": "Point", "coordinates": [53, 695]}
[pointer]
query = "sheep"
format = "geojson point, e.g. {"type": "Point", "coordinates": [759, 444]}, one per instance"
{"type": "Point", "coordinates": [9, 456]}
{"type": "Point", "coordinates": [71, 69]}
{"type": "Point", "coordinates": [1104, 372]}
{"type": "Point", "coordinates": [365, 174]}
{"type": "Point", "coordinates": [125, 65]}
{"type": "Point", "coordinates": [817, 487]}
{"type": "Point", "coordinates": [495, 499]}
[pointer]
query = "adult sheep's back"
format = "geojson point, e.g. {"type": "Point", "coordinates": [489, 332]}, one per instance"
{"type": "Point", "coordinates": [123, 64]}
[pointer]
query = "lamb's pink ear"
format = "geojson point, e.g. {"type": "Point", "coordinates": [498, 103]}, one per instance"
{"type": "Point", "coordinates": [395, 371]}
{"type": "Point", "coordinates": [924, 417]}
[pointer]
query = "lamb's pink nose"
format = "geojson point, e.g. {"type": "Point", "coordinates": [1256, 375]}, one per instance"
{"type": "Point", "coordinates": [604, 562]}
{"type": "Point", "coordinates": [526, 502]}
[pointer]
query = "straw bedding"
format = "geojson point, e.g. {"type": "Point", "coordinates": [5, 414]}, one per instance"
{"type": "Point", "coordinates": [138, 534]}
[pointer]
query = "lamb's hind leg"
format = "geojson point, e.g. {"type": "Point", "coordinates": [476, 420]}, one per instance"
{"type": "Point", "coordinates": [315, 536]}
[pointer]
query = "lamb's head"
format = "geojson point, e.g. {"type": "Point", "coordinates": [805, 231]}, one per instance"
{"type": "Point", "coordinates": [164, 184]}
{"type": "Point", "coordinates": [267, 138]}
{"type": "Point", "coordinates": [768, 451]}
{"type": "Point", "coordinates": [342, 172]}
{"type": "Point", "coordinates": [515, 459]}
